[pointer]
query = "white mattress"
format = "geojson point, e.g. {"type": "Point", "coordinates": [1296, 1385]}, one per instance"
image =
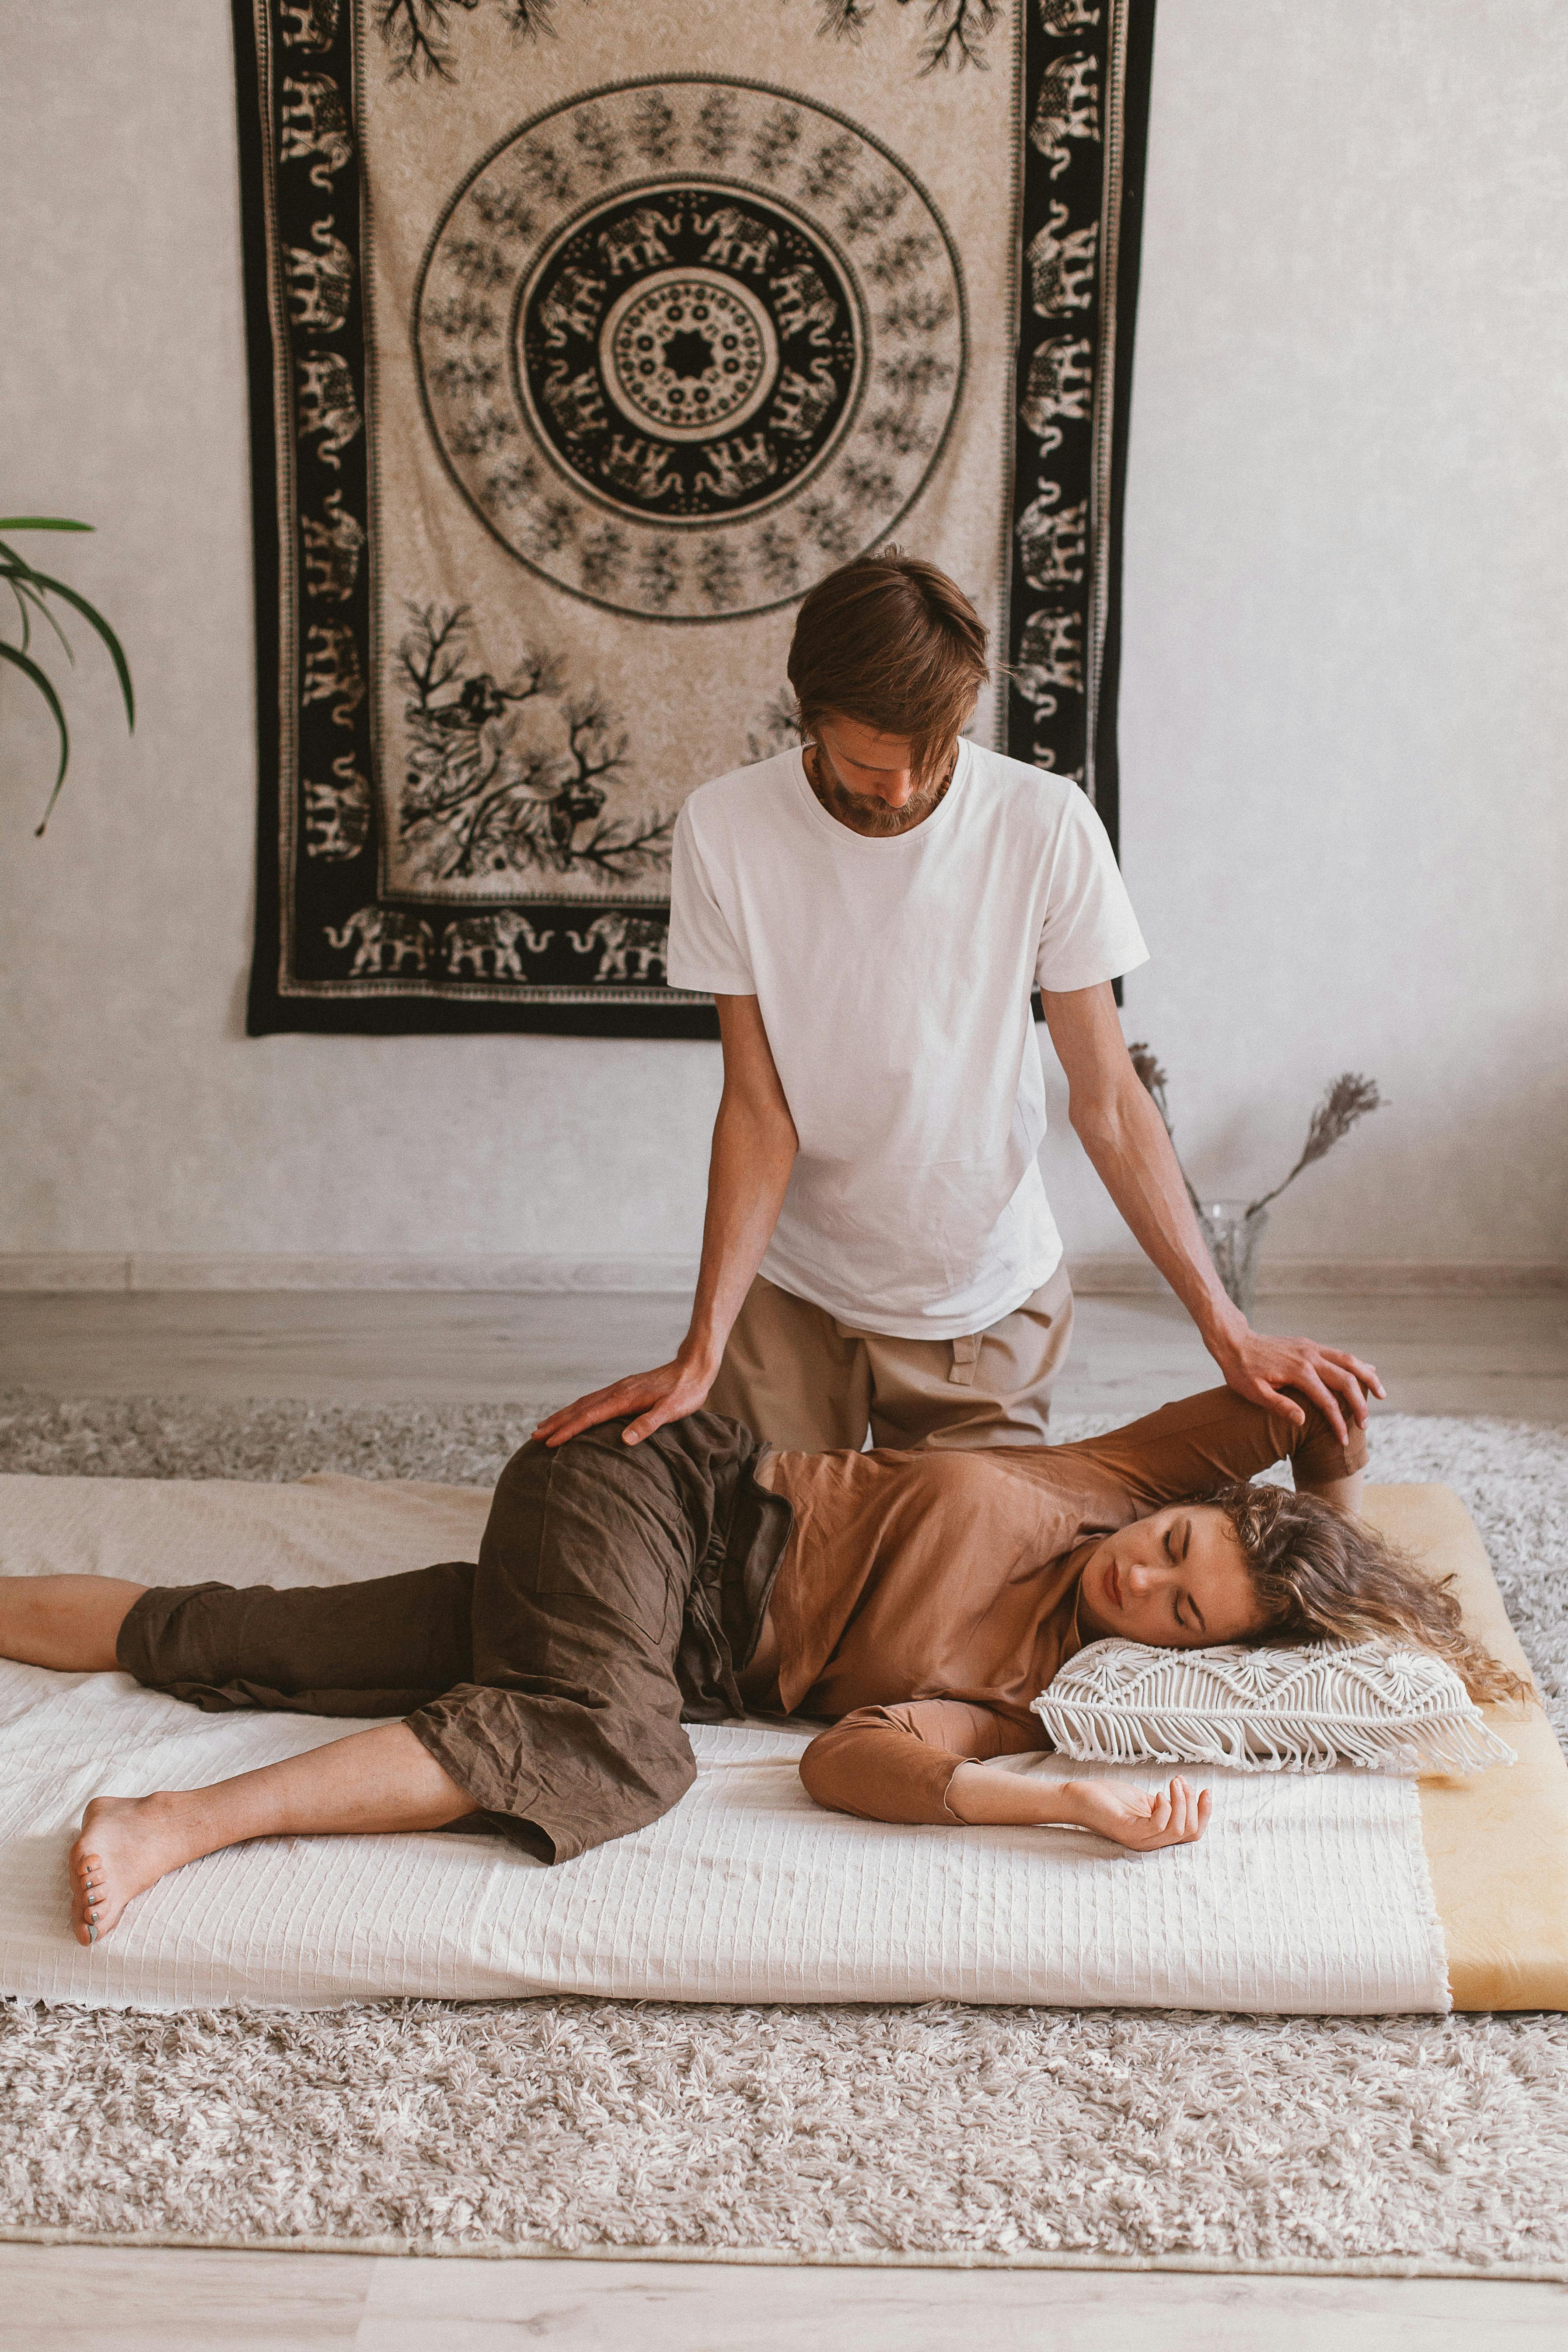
{"type": "Point", "coordinates": [1309, 1892]}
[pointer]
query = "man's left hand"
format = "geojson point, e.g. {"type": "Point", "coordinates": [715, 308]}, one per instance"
{"type": "Point", "coordinates": [1262, 1369]}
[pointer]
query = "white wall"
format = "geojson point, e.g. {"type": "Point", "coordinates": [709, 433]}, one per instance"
{"type": "Point", "coordinates": [1346, 699]}
{"type": "Point", "coordinates": [1343, 703]}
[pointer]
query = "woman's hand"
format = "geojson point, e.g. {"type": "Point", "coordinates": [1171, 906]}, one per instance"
{"type": "Point", "coordinates": [1141, 1818]}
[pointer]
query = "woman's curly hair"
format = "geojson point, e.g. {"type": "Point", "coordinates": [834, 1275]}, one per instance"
{"type": "Point", "coordinates": [1323, 1575]}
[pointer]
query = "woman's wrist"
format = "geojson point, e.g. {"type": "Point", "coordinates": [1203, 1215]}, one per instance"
{"type": "Point", "coordinates": [1065, 1801]}
{"type": "Point", "coordinates": [979, 1797]}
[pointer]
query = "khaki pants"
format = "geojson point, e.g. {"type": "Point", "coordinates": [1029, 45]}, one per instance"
{"type": "Point", "coordinates": [800, 1379]}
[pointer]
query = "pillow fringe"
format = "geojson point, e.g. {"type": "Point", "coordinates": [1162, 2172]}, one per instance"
{"type": "Point", "coordinates": [1267, 1743]}
{"type": "Point", "coordinates": [1383, 1707]}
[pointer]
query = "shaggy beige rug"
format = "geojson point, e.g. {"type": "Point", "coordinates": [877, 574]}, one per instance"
{"type": "Point", "coordinates": [938, 2133]}
{"type": "Point", "coordinates": [811, 2132]}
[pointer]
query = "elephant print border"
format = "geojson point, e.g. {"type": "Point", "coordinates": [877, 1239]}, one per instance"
{"type": "Point", "coordinates": [575, 358]}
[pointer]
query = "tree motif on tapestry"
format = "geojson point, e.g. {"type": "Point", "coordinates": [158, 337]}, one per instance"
{"type": "Point", "coordinates": [483, 794]}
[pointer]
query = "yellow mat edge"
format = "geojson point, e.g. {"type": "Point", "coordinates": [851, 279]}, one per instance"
{"type": "Point", "coordinates": [1496, 1841]}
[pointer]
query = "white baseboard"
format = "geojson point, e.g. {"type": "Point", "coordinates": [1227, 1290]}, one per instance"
{"type": "Point", "coordinates": [1366, 1278]}
{"type": "Point", "coordinates": [277, 1270]}
{"type": "Point", "coordinates": [1122, 1276]}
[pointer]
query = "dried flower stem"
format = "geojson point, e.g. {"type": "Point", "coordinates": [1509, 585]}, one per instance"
{"type": "Point", "coordinates": [1349, 1099]}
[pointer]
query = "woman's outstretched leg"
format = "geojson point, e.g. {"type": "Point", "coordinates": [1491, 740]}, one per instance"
{"type": "Point", "coordinates": [69, 1622]}
{"type": "Point", "coordinates": [381, 1780]}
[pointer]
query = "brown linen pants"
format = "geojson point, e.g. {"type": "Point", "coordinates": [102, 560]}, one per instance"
{"type": "Point", "coordinates": [799, 1378]}
{"type": "Point", "coordinates": [618, 1593]}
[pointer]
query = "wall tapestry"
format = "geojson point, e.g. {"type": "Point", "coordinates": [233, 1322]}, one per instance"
{"type": "Point", "coordinates": [585, 335]}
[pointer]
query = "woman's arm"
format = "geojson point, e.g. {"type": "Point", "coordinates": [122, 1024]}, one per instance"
{"type": "Point", "coordinates": [1203, 1442]}
{"type": "Point", "coordinates": [920, 1762]}
{"type": "Point", "coordinates": [1143, 1819]}
{"type": "Point", "coordinates": [754, 1146]}
{"type": "Point", "coordinates": [894, 1763]}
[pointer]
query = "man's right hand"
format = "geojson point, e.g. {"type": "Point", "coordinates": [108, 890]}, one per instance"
{"type": "Point", "coordinates": [754, 1151]}
{"type": "Point", "coordinates": [668, 1393]}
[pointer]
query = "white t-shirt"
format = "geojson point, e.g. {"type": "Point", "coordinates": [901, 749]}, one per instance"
{"type": "Point", "coordinates": [893, 977]}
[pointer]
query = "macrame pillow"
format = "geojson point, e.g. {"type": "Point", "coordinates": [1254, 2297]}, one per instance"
{"type": "Point", "coordinates": [1306, 1711]}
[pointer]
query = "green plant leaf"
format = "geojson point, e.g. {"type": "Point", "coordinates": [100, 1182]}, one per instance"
{"type": "Point", "coordinates": [30, 669]}
{"type": "Point", "coordinates": [42, 522]}
{"type": "Point", "coordinates": [26, 592]}
{"type": "Point", "coordinates": [17, 567]}
{"type": "Point", "coordinates": [95, 619]}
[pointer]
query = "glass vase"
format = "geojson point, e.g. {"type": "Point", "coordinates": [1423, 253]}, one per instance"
{"type": "Point", "coordinates": [1233, 1233]}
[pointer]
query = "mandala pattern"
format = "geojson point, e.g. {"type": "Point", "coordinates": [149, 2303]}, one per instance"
{"type": "Point", "coordinates": [686, 344]}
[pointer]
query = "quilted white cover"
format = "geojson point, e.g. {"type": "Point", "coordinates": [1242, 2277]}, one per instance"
{"type": "Point", "coordinates": [1307, 1894]}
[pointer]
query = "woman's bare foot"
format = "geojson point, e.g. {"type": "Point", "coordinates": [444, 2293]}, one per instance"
{"type": "Point", "coordinates": [126, 1844]}
{"type": "Point", "coordinates": [372, 1781]}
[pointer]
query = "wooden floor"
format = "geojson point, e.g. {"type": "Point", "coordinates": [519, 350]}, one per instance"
{"type": "Point", "coordinates": [1503, 1354]}
{"type": "Point", "coordinates": [1506, 1355]}
{"type": "Point", "coordinates": [85, 2299]}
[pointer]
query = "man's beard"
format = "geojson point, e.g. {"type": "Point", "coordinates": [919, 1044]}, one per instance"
{"type": "Point", "coordinates": [863, 811]}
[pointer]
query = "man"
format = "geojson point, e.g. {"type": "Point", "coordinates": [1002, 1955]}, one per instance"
{"type": "Point", "coordinates": [871, 914]}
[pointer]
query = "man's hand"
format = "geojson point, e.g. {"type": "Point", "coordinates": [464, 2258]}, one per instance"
{"type": "Point", "coordinates": [664, 1394]}
{"type": "Point", "coordinates": [1140, 1819]}
{"type": "Point", "coordinates": [754, 1146]}
{"type": "Point", "coordinates": [1262, 1369]}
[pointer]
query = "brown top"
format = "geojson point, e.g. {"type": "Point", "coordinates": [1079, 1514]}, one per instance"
{"type": "Point", "coordinates": [925, 1599]}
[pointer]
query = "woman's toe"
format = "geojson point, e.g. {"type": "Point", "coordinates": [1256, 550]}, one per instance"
{"type": "Point", "coordinates": [90, 1899]}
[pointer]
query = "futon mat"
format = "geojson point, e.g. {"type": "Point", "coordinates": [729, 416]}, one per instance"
{"type": "Point", "coordinates": [1309, 1895]}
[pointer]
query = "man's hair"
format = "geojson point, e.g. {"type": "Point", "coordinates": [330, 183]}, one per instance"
{"type": "Point", "coordinates": [893, 642]}
{"type": "Point", "coordinates": [1324, 1575]}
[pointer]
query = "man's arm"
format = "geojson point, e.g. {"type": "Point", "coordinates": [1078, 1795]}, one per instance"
{"type": "Point", "coordinates": [1125, 1136]}
{"type": "Point", "coordinates": [754, 1145]}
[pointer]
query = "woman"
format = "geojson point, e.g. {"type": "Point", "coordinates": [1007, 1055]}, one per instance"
{"type": "Point", "coordinates": [919, 1600]}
